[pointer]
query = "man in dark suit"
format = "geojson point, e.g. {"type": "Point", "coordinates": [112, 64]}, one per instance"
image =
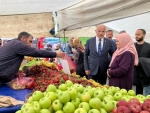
{"type": "Point", "coordinates": [143, 50]}
{"type": "Point", "coordinates": [96, 55]}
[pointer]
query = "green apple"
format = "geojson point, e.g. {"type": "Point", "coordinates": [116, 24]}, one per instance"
{"type": "Point", "coordinates": [108, 97]}
{"type": "Point", "coordinates": [45, 102]}
{"type": "Point", "coordinates": [123, 91]}
{"type": "Point", "coordinates": [108, 92]}
{"type": "Point", "coordinates": [44, 93]}
{"type": "Point", "coordinates": [85, 97]}
{"type": "Point", "coordinates": [30, 100]}
{"type": "Point", "coordinates": [76, 86]}
{"type": "Point", "coordinates": [62, 87]}
{"type": "Point", "coordinates": [59, 111]}
{"type": "Point", "coordinates": [88, 87]}
{"type": "Point", "coordinates": [37, 95]}
{"type": "Point", "coordinates": [113, 89]}
{"type": "Point", "coordinates": [51, 95]}
{"type": "Point", "coordinates": [131, 93]}
{"type": "Point", "coordinates": [68, 108]}
{"type": "Point", "coordinates": [85, 106]}
{"type": "Point", "coordinates": [26, 105]}
{"type": "Point", "coordinates": [117, 89]}
{"type": "Point", "coordinates": [94, 89]}
{"type": "Point", "coordinates": [80, 88]}
{"type": "Point", "coordinates": [114, 103]}
{"type": "Point", "coordinates": [102, 110]}
{"type": "Point", "coordinates": [148, 96]}
{"type": "Point", "coordinates": [107, 105]}
{"type": "Point", "coordinates": [76, 102]}
{"type": "Point", "coordinates": [64, 97]}
{"type": "Point", "coordinates": [68, 83]}
{"type": "Point", "coordinates": [29, 110]}
{"type": "Point", "coordinates": [104, 89]}
{"type": "Point", "coordinates": [51, 88]}
{"type": "Point", "coordinates": [57, 105]}
{"type": "Point", "coordinates": [89, 91]}
{"type": "Point", "coordinates": [73, 93]}
{"type": "Point", "coordinates": [80, 110]}
{"type": "Point", "coordinates": [58, 92]}
{"type": "Point", "coordinates": [44, 111]}
{"type": "Point", "coordinates": [36, 106]}
{"type": "Point", "coordinates": [140, 97]}
{"type": "Point", "coordinates": [94, 111]}
{"type": "Point", "coordinates": [99, 94]}
{"type": "Point", "coordinates": [19, 111]}
{"type": "Point", "coordinates": [79, 94]}
{"type": "Point", "coordinates": [117, 96]}
{"type": "Point", "coordinates": [95, 103]}
{"type": "Point", "coordinates": [125, 97]}
{"type": "Point", "coordinates": [51, 109]}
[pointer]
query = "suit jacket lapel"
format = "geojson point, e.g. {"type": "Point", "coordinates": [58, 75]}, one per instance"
{"type": "Point", "coordinates": [104, 45]}
{"type": "Point", "coordinates": [95, 47]}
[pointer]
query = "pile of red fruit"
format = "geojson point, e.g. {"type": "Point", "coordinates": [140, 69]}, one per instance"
{"type": "Point", "coordinates": [132, 106]}
{"type": "Point", "coordinates": [44, 76]}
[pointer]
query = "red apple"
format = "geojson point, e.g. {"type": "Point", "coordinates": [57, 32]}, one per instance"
{"type": "Point", "coordinates": [144, 111]}
{"type": "Point", "coordinates": [114, 110]}
{"type": "Point", "coordinates": [121, 103]}
{"type": "Point", "coordinates": [146, 105]}
{"type": "Point", "coordinates": [133, 101]}
{"type": "Point", "coordinates": [123, 109]}
{"type": "Point", "coordinates": [135, 108]}
{"type": "Point", "coordinates": [147, 100]}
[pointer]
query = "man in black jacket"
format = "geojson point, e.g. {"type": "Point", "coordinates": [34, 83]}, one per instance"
{"type": "Point", "coordinates": [12, 54]}
{"type": "Point", "coordinates": [143, 50]}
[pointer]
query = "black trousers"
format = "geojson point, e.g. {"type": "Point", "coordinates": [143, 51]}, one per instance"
{"type": "Point", "coordinates": [99, 77]}
{"type": "Point", "coordinates": [139, 90]}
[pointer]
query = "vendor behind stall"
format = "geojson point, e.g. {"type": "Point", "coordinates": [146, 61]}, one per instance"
{"type": "Point", "coordinates": [12, 54]}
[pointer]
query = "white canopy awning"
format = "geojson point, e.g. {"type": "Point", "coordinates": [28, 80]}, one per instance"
{"type": "Point", "coordinates": [11, 7]}
{"type": "Point", "coordinates": [94, 12]}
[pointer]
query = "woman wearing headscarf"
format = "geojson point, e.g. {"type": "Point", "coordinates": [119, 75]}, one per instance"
{"type": "Point", "coordinates": [121, 69]}
{"type": "Point", "coordinates": [79, 57]}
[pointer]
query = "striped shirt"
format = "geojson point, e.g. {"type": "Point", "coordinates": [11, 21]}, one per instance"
{"type": "Point", "coordinates": [12, 55]}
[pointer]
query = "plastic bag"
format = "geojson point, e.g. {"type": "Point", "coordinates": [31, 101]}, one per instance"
{"type": "Point", "coordinates": [71, 64]}
{"type": "Point", "coordinates": [22, 83]}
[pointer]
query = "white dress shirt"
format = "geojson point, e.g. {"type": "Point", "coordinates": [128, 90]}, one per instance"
{"type": "Point", "coordinates": [97, 42]}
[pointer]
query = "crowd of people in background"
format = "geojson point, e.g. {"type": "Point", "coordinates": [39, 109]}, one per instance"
{"type": "Point", "coordinates": [120, 60]}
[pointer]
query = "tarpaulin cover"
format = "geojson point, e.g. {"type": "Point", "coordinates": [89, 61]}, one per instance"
{"type": "Point", "coordinates": [17, 94]}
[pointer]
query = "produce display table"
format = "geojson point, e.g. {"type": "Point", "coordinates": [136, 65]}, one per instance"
{"type": "Point", "coordinates": [17, 94]}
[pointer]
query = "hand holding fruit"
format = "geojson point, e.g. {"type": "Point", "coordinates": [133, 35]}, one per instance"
{"type": "Point", "coordinates": [60, 54]}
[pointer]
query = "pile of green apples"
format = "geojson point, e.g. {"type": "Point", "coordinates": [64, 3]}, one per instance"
{"type": "Point", "coordinates": [74, 98]}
